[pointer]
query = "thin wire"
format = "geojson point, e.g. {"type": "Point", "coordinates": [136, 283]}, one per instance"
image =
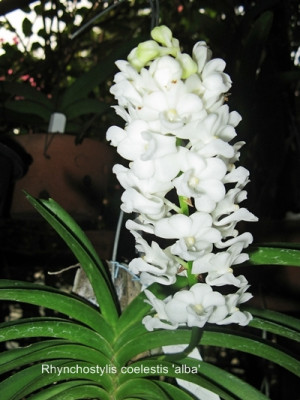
{"type": "Point", "coordinates": [87, 24]}
{"type": "Point", "coordinates": [117, 237]}
{"type": "Point", "coordinates": [116, 267]}
{"type": "Point", "coordinates": [154, 4]}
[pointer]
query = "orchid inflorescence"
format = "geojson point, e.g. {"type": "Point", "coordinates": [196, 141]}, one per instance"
{"type": "Point", "coordinates": [182, 181]}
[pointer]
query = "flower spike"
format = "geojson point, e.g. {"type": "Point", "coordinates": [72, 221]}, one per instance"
{"type": "Point", "coordinates": [183, 181]}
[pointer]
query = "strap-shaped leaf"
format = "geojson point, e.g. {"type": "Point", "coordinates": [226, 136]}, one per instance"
{"type": "Point", "coordinates": [35, 377]}
{"type": "Point", "coordinates": [85, 106]}
{"type": "Point", "coordinates": [142, 389]}
{"type": "Point", "coordinates": [54, 328]}
{"type": "Point", "coordinates": [266, 255]}
{"type": "Point", "coordinates": [177, 393]}
{"type": "Point", "coordinates": [83, 250]}
{"type": "Point", "coordinates": [165, 368]}
{"type": "Point", "coordinates": [29, 107]}
{"type": "Point", "coordinates": [49, 350]}
{"type": "Point", "coordinates": [251, 345]}
{"type": "Point", "coordinates": [9, 359]}
{"type": "Point", "coordinates": [82, 392]}
{"type": "Point", "coordinates": [54, 299]}
{"type": "Point", "coordinates": [27, 92]}
{"type": "Point", "coordinates": [255, 346]}
{"type": "Point", "coordinates": [133, 313]}
{"type": "Point", "coordinates": [229, 382]}
{"type": "Point", "coordinates": [76, 389]}
{"type": "Point", "coordinates": [278, 329]}
{"type": "Point", "coordinates": [149, 341]}
{"type": "Point", "coordinates": [275, 316]}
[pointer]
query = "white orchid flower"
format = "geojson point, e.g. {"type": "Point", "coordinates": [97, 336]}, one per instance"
{"type": "Point", "coordinates": [168, 111]}
{"type": "Point", "coordinates": [155, 264]}
{"type": "Point", "coordinates": [201, 54]}
{"type": "Point", "coordinates": [202, 179]}
{"type": "Point", "coordinates": [226, 224]}
{"type": "Point", "coordinates": [151, 206]}
{"type": "Point", "coordinates": [126, 93]}
{"type": "Point", "coordinates": [232, 302]}
{"type": "Point", "coordinates": [195, 234]}
{"type": "Point", "coordinates": [239, 175]}
{"type": "Point", "coordinates": [156, 322]}
{"type": "Point", "coordinates": [139, 225]}
{"type": "Point", "coordinates": [136, 141]}
{"type": "Point", "coordinates": [165, 71]}
{"type": "Point", "coordinates": [182, 180]}
{"type": "Point", "coordinates": [128, 179]}
{"type": "Point", "coordinates": [164, 169]}
{"type": "Point", "coordinates": [217, 266]}
{"type": "Point", "coordinates": [193, 307]}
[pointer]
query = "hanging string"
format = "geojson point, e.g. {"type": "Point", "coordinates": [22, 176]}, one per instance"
{"type": "Point", "coordinates": [117, 236]}
{"type": "Point", "coordinates": [154, 4]}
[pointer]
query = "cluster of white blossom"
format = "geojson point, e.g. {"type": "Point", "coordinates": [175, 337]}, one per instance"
{"type": "Point", "coordinates": [181, 180]}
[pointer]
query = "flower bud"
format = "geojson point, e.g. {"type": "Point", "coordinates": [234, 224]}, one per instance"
{"type": "Point", "coordinates": [188, 65]}
{"type": "Point", "coordinates": [162, 34]}
{"type": "Point", "coordinates": [145, 52]}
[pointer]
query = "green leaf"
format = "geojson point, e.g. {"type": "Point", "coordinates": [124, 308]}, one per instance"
{"type": "Point", "coordinates": [54, 299]}
{"type": "Point", "coordinates": [76, 389]}
{"type": "Point", "coordinates": [27, 27]}
{"type": "Point", "coordinates": [175, 392]}
{"type": "Point", "coordinates": [28, 380]}
{"type": "Point", "coordinates": [133, 314]}
{"type": "Point", "coordinates": [262, 255]}
{"type": "Point", "coordinates": [148, 341]}
{"type": "Point", "coordinates": [168, 369]}
{"type": "Point", "coordinates": [141, 388]}
{"type": "Point", "coordinates": [82, 392]}
{"type": "Point", "coordinates": [27, 92]}
{"type": "Point", "coordinates": [275, 328]}
{"type": "Point", "coordinates": [218, 337]}
{"type": "Point", "coordinates": [55, 328]}
{"type": "Point", "coordinates": [49, 350]}
{"type": "Point", "coordinates": [274, 316]}
{"type": "Point", "coordinates": [28, 107]}
{"type": "Point", "coordinates": [255, 346]}
{"type": "Point", "coordinates": [84, 106]}
{"type": "Point", "coordinates": [10, 359]}
{"type": "Point", "coordinates": [239, 388]}
{"type": "Point", "coordinates": [83, 250]}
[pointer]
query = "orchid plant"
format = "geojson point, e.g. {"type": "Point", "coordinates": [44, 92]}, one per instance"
{"type": "Point", "coordinates": [178, 140]}
{"type": "Point", "coordinates": [184, 185]}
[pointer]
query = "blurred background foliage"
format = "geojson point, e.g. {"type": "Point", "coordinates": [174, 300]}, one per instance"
{"type": "Point", "coordinates": [259, 40]}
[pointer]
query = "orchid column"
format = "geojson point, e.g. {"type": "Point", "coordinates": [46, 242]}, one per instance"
{"type": "Point", "coordinates": [182, 181]}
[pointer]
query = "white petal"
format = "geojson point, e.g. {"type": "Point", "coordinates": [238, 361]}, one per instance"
{"type": "Point", "coordinates": [115, 135]}
{"type": "Point", "coordinates": [178, 225]}
{"type": "Point", "coordinates": [202, 54]}
{"type": "Point", "coordinates": [152, 323]}
{"type": "Point", "coordinates": [239, 317]}
{"type": "Point", "coordinates": [217, 64]}
{"type": "Point", "coordinates": [214, 148]}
